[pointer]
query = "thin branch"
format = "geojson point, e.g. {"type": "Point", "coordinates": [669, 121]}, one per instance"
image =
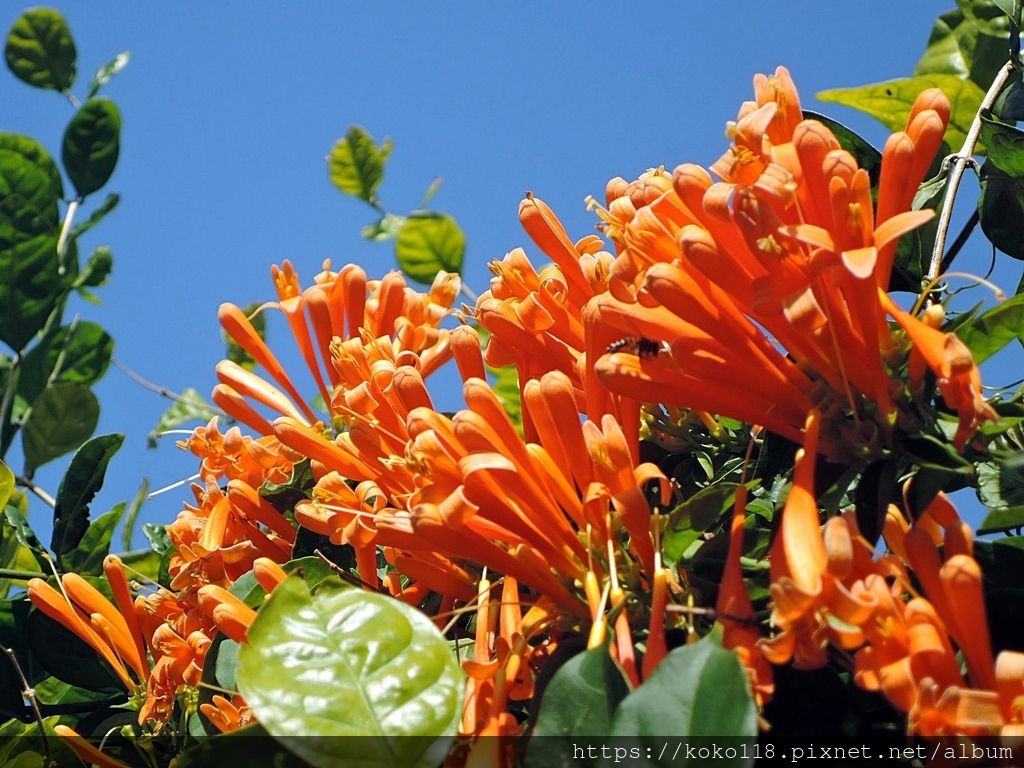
{"type": "Point", "coordinates": [18, 575]}
{"type": "Point", "coordinates": [961, 161]}
{"type": "Point", "coordinates": [162, 391]}
{"type": "Point", "coordinates": [29, 695]}
{"type": "Point", "coordinates": [26, 482]}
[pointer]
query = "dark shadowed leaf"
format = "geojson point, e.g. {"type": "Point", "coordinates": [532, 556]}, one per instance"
{"type": "Point", "coordinates": [1005, 144]}
{"type": "Point", "coordinates": [252, 747]}
{"type": "Point", "coordinates": [92, 142]}
{"type": "Point", "coordinates": [80, 484]}
{"type": "Point", "coordinates": [80, 354]}
{"type": "Point", "coordinates": [86, 559]}
{"type": "Point", "coordinates": [40, 50]}
{"type": "Point", "coordinates": [1001, 209]}
{"type": "Point", "coordinates": [343, 663]}
{"type": "Point", "coordinates": [356, 163]}
{"type": "Point", "coordinates": [67, 657]}
{"type": "Point", "coordinates": [107, 72]}
{"type": "Point", "coordinates": [1001, 489]}
{"type": "Point", "coordinates": [428, 243]}
{"type": "Point", "coordinates": [63, 417]}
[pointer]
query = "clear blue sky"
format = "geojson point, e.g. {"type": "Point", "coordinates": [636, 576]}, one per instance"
{"type": "Point", "coordinates": [229, 109]}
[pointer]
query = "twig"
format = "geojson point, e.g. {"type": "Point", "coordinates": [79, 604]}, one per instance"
{"type": "Point", "coordinates": [961, 160]}
{"type": "Point", "coordinates": [26, 482]}
{"type": "Point", "coordinates": [162, 391]}
{"type": "Point", "coordinates": [29, 695]}
{"type": "Point", "coordinates": [347, 577]}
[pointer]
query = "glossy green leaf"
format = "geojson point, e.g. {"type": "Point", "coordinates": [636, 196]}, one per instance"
{"type": "Point", "coordinates": [385, 228]}
{"type": "Point", "coordinates": [30, 282]}
{"type": "Point", "coordinates": [78, 488]}
{"type": "Point", "coordinates": [579, 701]}
{"type": "Point", "coordinates": [157, 537]}
{"type": "Point", "coordinates": [110, 202]}
{"type": "Point", "coordinates": [986, 334]}
{"type": "Point", "coordinates": [428, 243]}
{"type": "Point", "coordinates": [1001, 209]}
{"type": "Point", "coordinates": [961, 45]}
{"type": "Point", "coordinates": [697, 514]}
{"type": "Point", "coordinates": [24, 533]}
{"type": "Point", "coordinates": [92, 142]}
{"type": "Point", "coordinates": [191, 407]}
{"type": "Point", "coordinates": [356, 163]}
{"type": "Point", "coordinates": [698, 690]}
{"type": "Point", "coordinates": [342, 663]}
{"type": "Point", "coordinates": [80, 354]}
{"type": "Point", "coordinates": [107, 72]}
{"type": "Point", "coordinates": [63, 417]}
{"type": "Point", "coordinates": [132, 514]}
{"type": "Point", "coordinates": [890, 102]}
{"type": "Point", "coordinates": [40, 50]}
{"type": "Point", "coordinates": [1005, 144]}
{"type": "Point", "coordinates": [87, 558]}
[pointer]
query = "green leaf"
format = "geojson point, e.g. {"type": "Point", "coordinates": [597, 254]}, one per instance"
{"type": "Point", "coordinates": [107, 72]}
{"type": "Point", "coordinates": [157, 537]}
{"type": "Point", "coordinates": [63, 417]}
{"type": "Point", "coordinates": [66, 656]}
{"type": "Point", "coordinates": [83, 353]}
{"type": "Point", "coordinates": [1001, 489]}
{"type": "Point", "coordinates": [961, 45]}
{"type": "Point", "coordinates": [1005, 144]}
{"type": "Point", "coordinates": [92, 142]}
{"type": "Point", "coordinates": [96, 270]}
{"type": "Point", "coordinates": [356, 163]}
{"type": "Point", "coordinates": [40, 50]}
{"type": "Point", "coordinates": [694, 516]}
{"type": "Point", "coordinates": [890, 102]}
{"type": "Point", "coordinates": [109, 203]}
{"type": "Point", "coordinates": [24, 533]}
{"type": "Point", "coordinates": [988, 333]}
{"type": "Point", "coordinates": [385, 228]}
{"type": "Point", "coordinates": [1001, 209]}
{"type": "Point", "coordinates": [6, 484]}
{"type": "Point", "coordinates": [579, 701]}
{"type": "Point", "coordinates": [431, 191]}
{"type": "Point", "coordinates": [87, 558]}
{"type": "Point", "coordinates": [191, 407]}
{"type": "Point", "coordinates": [343, 662]}
{"type": "Point", "coordinates": [698, 690]}
{"type": "Point", "coordinates": [30, 282]}
{"type": "Point", "coordinates": [428, 243]}
{"type": "Point", "coordinates": [132, 514]}
{"type": "Point", "coordinates": [77, 490]}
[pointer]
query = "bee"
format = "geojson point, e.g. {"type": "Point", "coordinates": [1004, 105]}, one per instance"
{"type": "Point", "coordinates": [641, 347]}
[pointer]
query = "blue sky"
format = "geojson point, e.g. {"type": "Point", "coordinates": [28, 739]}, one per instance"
{"type": "Point", "coordinates": [229, 109]}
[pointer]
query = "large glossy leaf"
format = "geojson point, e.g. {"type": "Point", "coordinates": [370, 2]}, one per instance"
{"type": "Point", "coordinates": [63, 417]}
{"type": "Point", "coordinates": [29, 221]}
{"type": "Point", "coordinates": [86, 559]}
{"type": "Point", "coordinates": [986, 334]}
{"type": "Point", "coordinates": [1001, 209]}
{"type": "Point", "coordinates": [83, 353]}
{"type": "Point", "coordinates": [963, 45]}
{"type": "Point", "coordinates": [356, 163]}
{"type": "Point", "coordinates": [80, 484]}
{"type": "Point", "coordinates": [40, 50]}
{"type": "Point", "coordinates": [890, 102]}
{"type": "Point", "coordinates": [698, 690]}
{"type": "Point", "coordinates": [191, 406]}
{"type": "Point", "coordinates": [342, 662]}
{"type": "Point", "coordinates": [92, 142]}
{"type": "Point", "coordinates": [428, 243]}
{"type": "Point", "coordinates": [107, 72]}
{"type": "Point", "coordinates": [579, 701]}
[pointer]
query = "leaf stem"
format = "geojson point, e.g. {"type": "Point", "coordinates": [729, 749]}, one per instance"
{"type": "Point", "coordinates": [18, 575]}
{"type": "Point", "coordinates": [62, 241]}
{"type": "Point", "coordinates": [162, 391]}
{"type": "Point", "coordinates": [29, 695]}
{"type": "Point", "coordinates": [961, 160]}
{"type": "Point", "coordinates": [26, 482]}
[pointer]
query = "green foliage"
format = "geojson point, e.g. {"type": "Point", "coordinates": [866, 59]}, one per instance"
{"type": "Point", "coordinates": [189, 406]}
{"type": "Point", "coordinates": [1001, 205]}
{"type": "Point", "coordinates": [92, 143]}
{"type": "Point", "coordinates": [986, 334]}
{"type": "Point", "coordinates": [77, 490]}
{"type": "Point", "coordinates": [969, 42]}
{"type": "Point", "coordinates": [63, 417]}
{"type": "Point", "coordinates": [428, 243]}
{"type": "Point", "coordinates": [356, 163]}
{"type": "Point", "coordinates": [107, 72]}
{"type": "Point", "coordinates": [342, 662]}
{"type": "Point", "coordinates": [40, 51]}
{"type": "Point", "coordinates": [890, 102]}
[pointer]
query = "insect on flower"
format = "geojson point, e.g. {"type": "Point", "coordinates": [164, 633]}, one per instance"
{"type": "Point", "coordinates": [639, 346]}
